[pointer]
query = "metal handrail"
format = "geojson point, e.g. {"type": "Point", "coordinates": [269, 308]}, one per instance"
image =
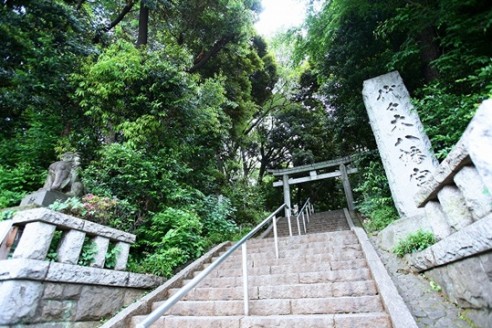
{"type": "Point", "coordinates": [309, 210]}
{"type": "Point", "coordinates": [157, 313]}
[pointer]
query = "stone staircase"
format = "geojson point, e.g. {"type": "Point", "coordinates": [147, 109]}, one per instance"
{"type": "Point", "coordinates": [319, 280]}
{"type": "Point", "coordinates": [318, 222]}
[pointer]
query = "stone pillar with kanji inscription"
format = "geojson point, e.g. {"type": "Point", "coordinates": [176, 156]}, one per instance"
{"type": "Point", "coordinates": [404, 147]}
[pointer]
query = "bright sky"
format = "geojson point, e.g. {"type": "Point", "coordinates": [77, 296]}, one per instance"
{"type": "Point", "coordinates": [278, 15]}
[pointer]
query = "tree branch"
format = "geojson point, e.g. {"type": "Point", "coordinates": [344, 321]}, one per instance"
{"type": "Point", "coordinates": [203, 58]}
{"type": "Point", "coordinates": [128, 7]}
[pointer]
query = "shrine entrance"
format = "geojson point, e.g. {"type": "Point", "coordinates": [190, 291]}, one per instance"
{"type": "Point", "coordinates": [314, 172]}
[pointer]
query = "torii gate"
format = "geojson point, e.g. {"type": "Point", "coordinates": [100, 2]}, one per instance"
{"type": "Point", "coordinates": [342, 172]}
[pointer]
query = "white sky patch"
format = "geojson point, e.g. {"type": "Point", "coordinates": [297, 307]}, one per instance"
{"type": "Point", "coordinates": [279, 15]}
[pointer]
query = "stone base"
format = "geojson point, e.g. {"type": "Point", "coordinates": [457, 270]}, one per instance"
{"type": "Point", "coordinates": [43, 198]}
{"type": "Point", "coordinates": [468, 283]}
{"type": "Point", "coordinates": [389, 236]}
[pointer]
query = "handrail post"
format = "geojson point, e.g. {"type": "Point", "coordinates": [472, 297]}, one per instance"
{"type": "Point", "coordinates": [245, 279]}
{"type": "Point", "coordinates": [290, 224]}
{"type": "Point", "coordinates": [304, 221]}
{"type": "Point", "coordinates": [298, 224]}
{"type": "Point", "coordinates": [275, 235]}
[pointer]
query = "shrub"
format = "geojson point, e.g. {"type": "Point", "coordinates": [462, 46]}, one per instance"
{"type": "Point", "coordinates": [414, 242]}
{"type": "Point", "coordinates": [377, 204]}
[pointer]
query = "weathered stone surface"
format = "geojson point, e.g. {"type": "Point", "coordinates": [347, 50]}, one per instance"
{"type": "Point", "coordinates": [471, 240]}
{"type": "Point", "coordinates": [35, 241]}
{"type": "Point", "coordinates": [132, 295]}
{"type": "Point", "coordinates": [137, 280]}
{"type": "Point", "coordinates": [455, 279]}
{"type": "Point", "coordinates": [102, 245]}
{"type": "Point", "coordinates": [122, 255]}
{"type": "Point", "coordinates": [96, 302]}
{"type": "Point", "coordinates": [443, 174]}
{"type": "Point", "coordinates": [477, 197]}
{"type": "Point", "coordinates": [23, 269]}
{"type": "Point", "coordinates": [61, 291]}
{"type": "Point", "coordinates": [437, 220]}
{"type": "Point", "coordinates": [85, 275]}
{"type": "Point", "coordinates": [43, 197]}
{"type": "Point", "coordinates": [49, 216]}
{"type": "Point", "coordinates": [389, 236]}
{"type": "Point", "coordinates": [70, 247]}
{"type": "Point", "coordinates": [453, 205]}
{"type": "Point", "coordinates": [480, 142]}
{"type": "Point", "coordinates": [19, 300]}
{"type": "Point", "coordinates": [70, 222]}
{"type": "Point", "coordinates": [100, 230]}
{"type": "Point", "coordinates": [56, 310]}
{"type": "Point", "coordinates": [404, 147]}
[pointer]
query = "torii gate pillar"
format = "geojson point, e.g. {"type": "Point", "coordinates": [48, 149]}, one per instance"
{"type": "Point", "coordinates": [285, 179]}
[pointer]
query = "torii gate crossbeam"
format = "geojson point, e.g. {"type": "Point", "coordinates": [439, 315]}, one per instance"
{"type": "Point", "coordinates": [343, 172]}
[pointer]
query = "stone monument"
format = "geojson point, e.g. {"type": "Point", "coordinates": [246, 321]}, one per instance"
{"type": "Point", "coordinates": [405, 149]}
{"type": "Point", "coordinates": [63, 181]}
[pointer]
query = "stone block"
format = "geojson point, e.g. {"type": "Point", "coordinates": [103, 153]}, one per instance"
{"type": "Point", "coordinates": [61, 291]}
{"type": "Point", "coordinates": [443, 174]}
{"type": "Point", "coordinates": [404, 147]}
{"type": "Point", "coordinates": [476, 195]}
{"type": "Point", "coordinates": [122, 255]}
{"type": "Point", "coordinates": [59, 272]}
{"type": "Point", "coordinates": [70, 247]}
{"type": "Point", "coordinates": [96, 302]}
{"type": "Point", "coordinates": [454, 206]}
{"type": "Point", "coordinates": [35, 241]}
{"type": "Point", "coordinates": [56, 310]}
{"type": "Point", "coordinates": [70, 222]}
{"type": "Point", "coordinates": [49, 216]}
{"type": "Point", "coordinates": [102, 245]}
{"type": "Point", "coordinates": [471, 240]}
{"type": "Point", "coordinates": [455, 280]}
{"type": "Point", "coordinates": [480, 142]}
{"type": "Point", "coordinates": [19, 300]}
{"type": "Point", "coordinates": [379, 320]}
{"type": "Point", "coordinates": [399, 229]}
{"type": "Point", "coordinates": [100, 230]}
{"type": "Point", "coordinates": [43, 198]}
{"type": "Point", "coordinates": [437, 220]}
{"type": "Point", "coordinates": [137, 280]}
{"type": "Point", "coordinates": [23, 269]}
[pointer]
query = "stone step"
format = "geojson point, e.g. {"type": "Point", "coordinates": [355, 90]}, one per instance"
{"type": "Point", "coordinates": [330, 305]}
{"type": "Point", "coordinates": [352, 320]}
{"type": "Point", "coordinates": [284, 248]}
{"type": "Point", "coordinates": [284, 252]}
{"type": "Point", "coordinates": [318, 290]}
{"type": "Point", "coordinates": [289, 267]}
{"type": "Point", "coordinates": [334, 264]}
{"type": "Point", "coordinates": [287, 279]}
{"type": "Point", "coordinates": [344, 237]}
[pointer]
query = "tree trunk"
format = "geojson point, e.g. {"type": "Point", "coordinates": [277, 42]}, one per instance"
{"type": "Point", "coordinates": [143, 25]}
{"type": "Point", "coordinates": [429, 51]}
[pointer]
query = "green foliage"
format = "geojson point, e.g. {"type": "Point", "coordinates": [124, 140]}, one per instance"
{"type": "Point", "coordinates": [414, 242]}
{"type": "Point", "coordinates": [55, 241]}
{"type": "Point", "coordinates": [445, 115]}
{"type": "Point", "coordinates": [7, 215]}
{"type": "Point", "coordinates": [111, 255]}
{"type": "Point", "coordinates": [216, 214]}
{"type": "Point", "coordinates": [172, 238]}
{"type": "Point", "coordinates": [15, 182]}
{"type": "Point", "coordinates": [108, 211]}
{"type": "Point", "coordinates": [89, 251]}
{"type": "Point", "coordinates": [377, 204]}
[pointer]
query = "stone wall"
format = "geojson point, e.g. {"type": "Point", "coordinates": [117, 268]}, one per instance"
{"type": "Point", "coordinates": [35, 292]}
{"type": "Point", "coordinates": [457, 200]}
